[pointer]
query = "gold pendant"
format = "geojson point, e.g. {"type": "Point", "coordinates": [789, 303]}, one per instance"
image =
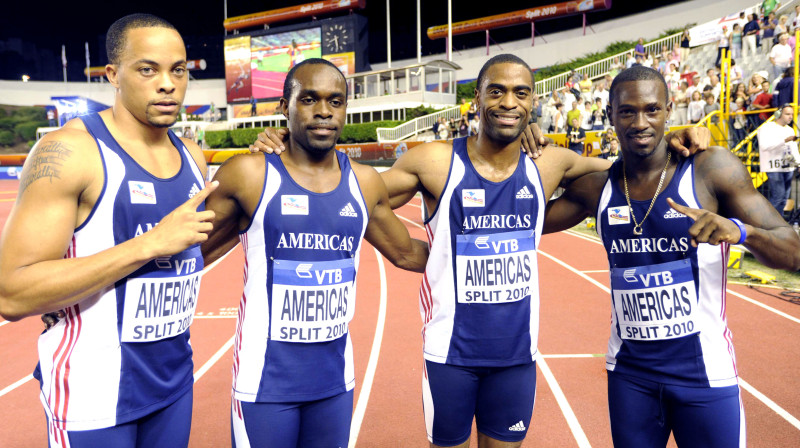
{"type": "Point", "coordinates": [637, 230]}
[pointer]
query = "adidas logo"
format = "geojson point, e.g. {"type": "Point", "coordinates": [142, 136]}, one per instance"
{"type": "Point", "coordinates": [519, 426]}
{"type": "Point", "coordinates": [348, 210]}
{"type": "Point", "coordinates": [671, 214]}
{"type": "Point", "coordinates": [194, 190]}
{"type": "Point", "coordinates": [524, 193]}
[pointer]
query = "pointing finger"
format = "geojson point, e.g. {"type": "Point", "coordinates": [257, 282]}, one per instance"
{"type": "Point", "coordinates": [201, 196]}
{"type": "Point", "coordinates": [688, 211]}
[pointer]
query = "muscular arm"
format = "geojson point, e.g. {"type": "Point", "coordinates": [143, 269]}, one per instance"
{"type": "Point", "coordinates": [420, 169]}
{"type": "Point", "coordinates": [731, 193]}
{"type": "Point", "coordinates": [578, 202]}
{"type": "Point", "coordinates": [385, 231]}
{"type": "Point", "coordinates": [241, 180]}
{"type": "Point", "coordinates": [58, 176]}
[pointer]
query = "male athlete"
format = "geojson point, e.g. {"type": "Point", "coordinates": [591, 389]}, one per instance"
{"type": "Point", "coordinates": [479, 297]}
{"type": "Point", "coordinates": [300, 218]}
{"type": "Point", "coordinates": [664, 223]}
{"type": "Point", "coordinates": [106, 232]}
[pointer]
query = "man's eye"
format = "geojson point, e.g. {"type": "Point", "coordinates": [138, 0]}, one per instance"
{"type": "Point", "coordinates": [146, 70]}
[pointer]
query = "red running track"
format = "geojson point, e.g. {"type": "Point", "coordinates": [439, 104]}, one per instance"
{"type": "Point", "coordinates": [570, 406]}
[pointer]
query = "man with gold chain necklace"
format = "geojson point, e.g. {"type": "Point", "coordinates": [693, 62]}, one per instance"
{"type": "Point", "coordinates": [667, 224]}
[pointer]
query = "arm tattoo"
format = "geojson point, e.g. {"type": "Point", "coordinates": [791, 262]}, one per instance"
{"type": "Point", "coordinates": [46, 162]}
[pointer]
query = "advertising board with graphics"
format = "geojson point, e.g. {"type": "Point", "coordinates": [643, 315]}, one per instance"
{"type": "Point", "coordinates": [237, 69]}
{"type": "Point", "coordinates": [273, 55]}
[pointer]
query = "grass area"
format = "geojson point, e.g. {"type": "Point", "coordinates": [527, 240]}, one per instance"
{"type": "Point", "coordinates": [783, 279]}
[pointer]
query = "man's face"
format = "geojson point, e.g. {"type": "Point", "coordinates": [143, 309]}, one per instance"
{"type": "Point", "coordinates": [785, 117]}
{"type": "Point", "coordinates": [783, 39]}
{"type": "Point", "coordinates": [639, 113]}
{"type": "Point", "coordinates": [505, 101]}
{"type": "Point", "coordinates": [574, 122]}
{"type": "Point", "coordinates": [765, 86]}
{"type": "Point", "coordinates": [574, 105]}
{"type": "Point", "coordinates": [151, 75]}
{"type": "Point", "coordinates": [317, 107]}
{"type": "Point", "coordinates": [714, 80]}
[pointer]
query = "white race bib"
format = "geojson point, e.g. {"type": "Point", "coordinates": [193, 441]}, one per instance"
{"type": "Point", "coordinates": [159, 307]}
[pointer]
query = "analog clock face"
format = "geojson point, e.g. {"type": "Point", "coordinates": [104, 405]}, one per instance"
{"type": "Point", "coordinates": [337, 38]}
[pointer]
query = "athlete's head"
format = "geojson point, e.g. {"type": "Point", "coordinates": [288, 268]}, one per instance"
{"type": "Point", "coordinates": [638, 109]}
{"type": "Point", "coordinates": [504, 95]}
{"type": "Point", "coordinates": [147, 66]}
{"type": "Point", "coordinates": [314, 103]}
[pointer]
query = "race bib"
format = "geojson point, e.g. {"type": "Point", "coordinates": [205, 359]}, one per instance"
{"type": "Point", "coordinates": [159, 307]}
{"type": "Point", "coordinates": [311, 301]}
{"type": "Point", "coordinates": [495, 268]}
{"type": "Point", "coordinates": [655, 302]}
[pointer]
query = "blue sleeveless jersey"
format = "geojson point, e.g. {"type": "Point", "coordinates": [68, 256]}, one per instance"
{"type": "Point", "coordinates": [301, 256]}
{"type": "Point", "coordinates": [668, 298]}
{"type": "Point", "coordinates": [479, 298]}
{"type": "Point", "coordinates": [124, 352]}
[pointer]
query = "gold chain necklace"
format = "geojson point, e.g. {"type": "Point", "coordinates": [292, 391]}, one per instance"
{"type": "Point", "coordinates": [637, 226]}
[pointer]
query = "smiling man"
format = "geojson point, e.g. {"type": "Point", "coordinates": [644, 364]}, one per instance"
{"type": "Point", "coordinates": [107, 223]}
{"type": "Point", "coordinates": [300, 218]}
{"type": "Point", "coordinates": [664, 222]}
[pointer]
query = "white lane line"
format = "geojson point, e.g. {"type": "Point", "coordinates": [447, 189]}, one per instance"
{"type": "Point", "coordinates": [215, 317]}
{"type": "Point", "coordinates": [770, 404]}
{"type": "Point", "coordinates": [766, 307]}
{"type": "Point", "coordinates": [412, 222]}
{"type": "Point", "coordinates": [213, 360]}
{"type": "Point", "coordinates": [577, 355]}
{"type": "Point", "coordinates": [594, 239]}
{"type": "Point", "coordinates": [598, 271]}
{"type": "Point", "coordinates": [372, 365]}
{"type": "Point", "coordinates": [761, 397]}
{"type": "Point", "coordinates": [4, 322]}
{"type": "Point", "coordinates": [16, 385]}
{"type": "Point", "coordinates": [566, 409]}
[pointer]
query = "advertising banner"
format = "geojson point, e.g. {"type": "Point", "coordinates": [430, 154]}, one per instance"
{"type": "Point", "coordinates": [238, 82]}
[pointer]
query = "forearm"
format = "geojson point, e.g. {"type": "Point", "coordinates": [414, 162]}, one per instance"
{"type": "Point", "coordinates": [414, 258]}
{"type": "Point", "coordinates": [52, 285]}
{"type": "Point", "coordinates": [777, 248]}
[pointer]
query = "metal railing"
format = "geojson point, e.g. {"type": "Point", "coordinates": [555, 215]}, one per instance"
{"type": "Point", "coordinates": [415, 126]}
{"type": "Point", "coordinates": [602, 67]}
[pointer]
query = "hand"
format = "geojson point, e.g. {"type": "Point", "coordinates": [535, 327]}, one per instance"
{"type": "Point", "coordinates": [708, 227]}
{"type": "Point", "coordinates": [183, 227]}
{"type": "Point", "coordinates": [270, 141]}
{"type": "Point", "coordinates": [51, 319]}
{"type": "Point", "coordinates": [790, 138]}
{"type": "Point", "coordinates": [534, 141]}
{"type": "Point", "coordinates": [689, 141]}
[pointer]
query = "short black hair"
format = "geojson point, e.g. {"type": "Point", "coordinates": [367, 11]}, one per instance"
{"type": "Point", "coordinates": [504, 58]}
{"type": "Point", "coordinates": [636, 73]}
{"type": "Point", "coordinates": [288, 83]}
{"type": "Point", "coordinates": [115, 37]}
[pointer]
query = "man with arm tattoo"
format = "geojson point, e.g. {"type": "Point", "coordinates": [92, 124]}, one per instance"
{"type": "Point", "coordinates": [105, 233]}
{"type": "Point", "coordinates": [667, 224]}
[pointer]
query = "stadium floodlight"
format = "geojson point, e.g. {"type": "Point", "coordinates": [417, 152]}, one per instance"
{"type": "Point", "coordinates": [25, 78]}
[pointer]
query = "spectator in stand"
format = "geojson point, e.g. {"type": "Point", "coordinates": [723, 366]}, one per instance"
{"type": "Point", "coordinates": [770, 6]}
{"type": "Point", "coordinates": [710, 106]}
{"type": "Point", "coordinates": [648, 59]}
{"type": "Point", "coordinates": [715, 86]}
{"type": "Point", "coordinates": [794, 17]}
{"type": "Point", "coordinates": [777, 145]}
{"type": "Point", "coordinates": [605, 142]}
{"type": "Point", "coordinates": [473, 110]}
{"type": "Point", "coordinates": [559, 119]}
{"type": "Point", "coordinates": [790, 41]}
{"type": "Point", "coordinates": [616, 67]}
{"type": "Point", "coordinates": [723, 43]}
{"type": "Point", "coordinates": [736, 41]}
{"type": "Point", "coordinates": [586, 88]}
{"type": "Point", "coordinates": [768, 25]}
{"type": "Point", "coordinates": [598, 115]}
{"type": "Point", "coordinates": [201, 137]}
{"type": "Point", "coordinates": [736, 74]}
{"type": "Point", "coordinates": [576, 136]}
{"type": "Point", "coordinates": [536, 111]}
{"type": "Point", "coordinates": [474, 124]}
{"type": "Point", "coordinates": [631, 60]}
{"type": "Point", "coordinates": [436, 125]}
{"type": "Point", "coordinates": [672, 77]}
{"type": "Point", "coordinates": [613, 150]}
{"type": "Point", "coordinates": [688, 75]}
{"type": "Point", "coordinates": [442, 129]}
{"type": "Point", "coordinates": [464, 108]}
{"type": "Point", "coordinates": [568, 97]}
{"type": "Point", "coordinates": [763, 101]}
{"type": "Point", "coordinates": [638, 50]}
{"type": "Point", "coordinates": [574, 113]}
{"type": "Point", "coordinates": [681, 101]}
{"type": "Point", "coordinates": [587, 116]}
{"type": "Point", "coordinates": [452, 128]}
{"type": "Point", "coordinates": [784, 90]}
{"type": "Point", "coordinates": [695, 109]}
{"type": "Point", "coordinates": [750, 31]}
{"type": "Point", "coordinates": [685, 48]}
{"type": "Point", "coordinates": [738, 121]}
{"type": "Point", "coordinates": [780, 56]}
{"type": "Point", "coordinates": [710, 73]}
{"type": "Point", "coordinates": [463, 127]}
{"type": "Point", "coordinates": [601, 92]}
{"type": "Point", "coordinates": [782, 26]}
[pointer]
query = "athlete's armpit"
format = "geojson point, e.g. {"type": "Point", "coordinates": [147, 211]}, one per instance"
{"type": "Point", "coordinates": [46, 162]}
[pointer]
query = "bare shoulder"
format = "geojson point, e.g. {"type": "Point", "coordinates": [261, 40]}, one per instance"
{"type": "Point", "coordinates": [431, 154]}
{"type": "Point", "coordinates": [371, 183]}
{"type": "Point", "coordinates": [197, 154]}
{"type": "Point", "coordinates": [242, 169]}
{"type": "Point", "coordinates": [718, 164]}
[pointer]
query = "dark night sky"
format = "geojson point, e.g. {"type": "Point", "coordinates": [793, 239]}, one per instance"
{"type": "Point", "coordinates": [73, 23]}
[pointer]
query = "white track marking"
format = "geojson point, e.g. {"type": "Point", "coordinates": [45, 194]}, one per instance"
{"type": "Point", "coordinates": [770, 404]}
{"type": "Point", "coordinates": [372, 365]}
{"type": "Point", "coordinates": [570, 268]}
{"type": "Point", "coordinates": [215, 317]}
{"type": "Point", "coordinates": [16, 385]}
{"type": "Point", "coordinates": [766, 307]}
{"type": "Point", "coordinates": [577, 355]}
{"type": "Point", "coordinates": [213, 360]}
{"type": "Point", "coordinates": [566, 409]}
{"type": "Point", "coordinates": [4, 322]}
{"type": "Point", "coordinates": [412, 222]}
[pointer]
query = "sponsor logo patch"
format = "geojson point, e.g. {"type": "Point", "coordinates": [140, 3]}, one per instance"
{"type": "Point", "coordinates": [294, 204]}
{"type": "Point", "coordinates": [142, 192]}
{"type": "Point", "coordinates": [619, 215]}
{"type": "Point", "coordinates": [473, 198]}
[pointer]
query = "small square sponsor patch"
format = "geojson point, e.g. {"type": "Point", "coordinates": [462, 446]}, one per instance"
{"type": "Point", "coordinates": [619, 215]}
{"type": "Point", "coordinates": [473, 198]}
{"type": "Point", "coordinates": [294, 204]}
{"type": "Point", "coordinates": [142, 192]}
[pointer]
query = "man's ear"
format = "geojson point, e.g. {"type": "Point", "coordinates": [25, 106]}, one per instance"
{"type": "Point", "coordinates": [111, 75]}
{"type": "Point", "coordinates": [283, 107]}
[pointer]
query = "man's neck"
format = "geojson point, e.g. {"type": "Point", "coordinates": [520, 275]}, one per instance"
{"type": "Point", "coordinates": [643, 168]}
{"type": "Point", "coordinates": [498, 154]}
{"type": "Point", "coordinates": [132, 130]}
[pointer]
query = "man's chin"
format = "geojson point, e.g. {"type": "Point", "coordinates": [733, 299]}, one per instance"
{"type": "Point", "coordinates": [162, 121]}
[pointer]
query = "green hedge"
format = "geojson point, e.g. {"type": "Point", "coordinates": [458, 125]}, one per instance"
{"type": "Point", "coordinates": [27, 131]}
{"type": "Point", "coordinates": [218, 139]}
{"type": "Point", "coordinates": [7, 138]}
{"type": "Point", "coordinates": [242, 138]}
{"type": "Point", "coordinates": [364, 132]}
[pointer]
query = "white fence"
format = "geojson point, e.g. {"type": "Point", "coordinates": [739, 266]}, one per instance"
{"type": "Point", "coordinates": [415, 126]}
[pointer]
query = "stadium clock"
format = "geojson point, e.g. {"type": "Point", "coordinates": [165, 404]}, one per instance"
{"type": "Point", "coordinates": [337, 38]}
